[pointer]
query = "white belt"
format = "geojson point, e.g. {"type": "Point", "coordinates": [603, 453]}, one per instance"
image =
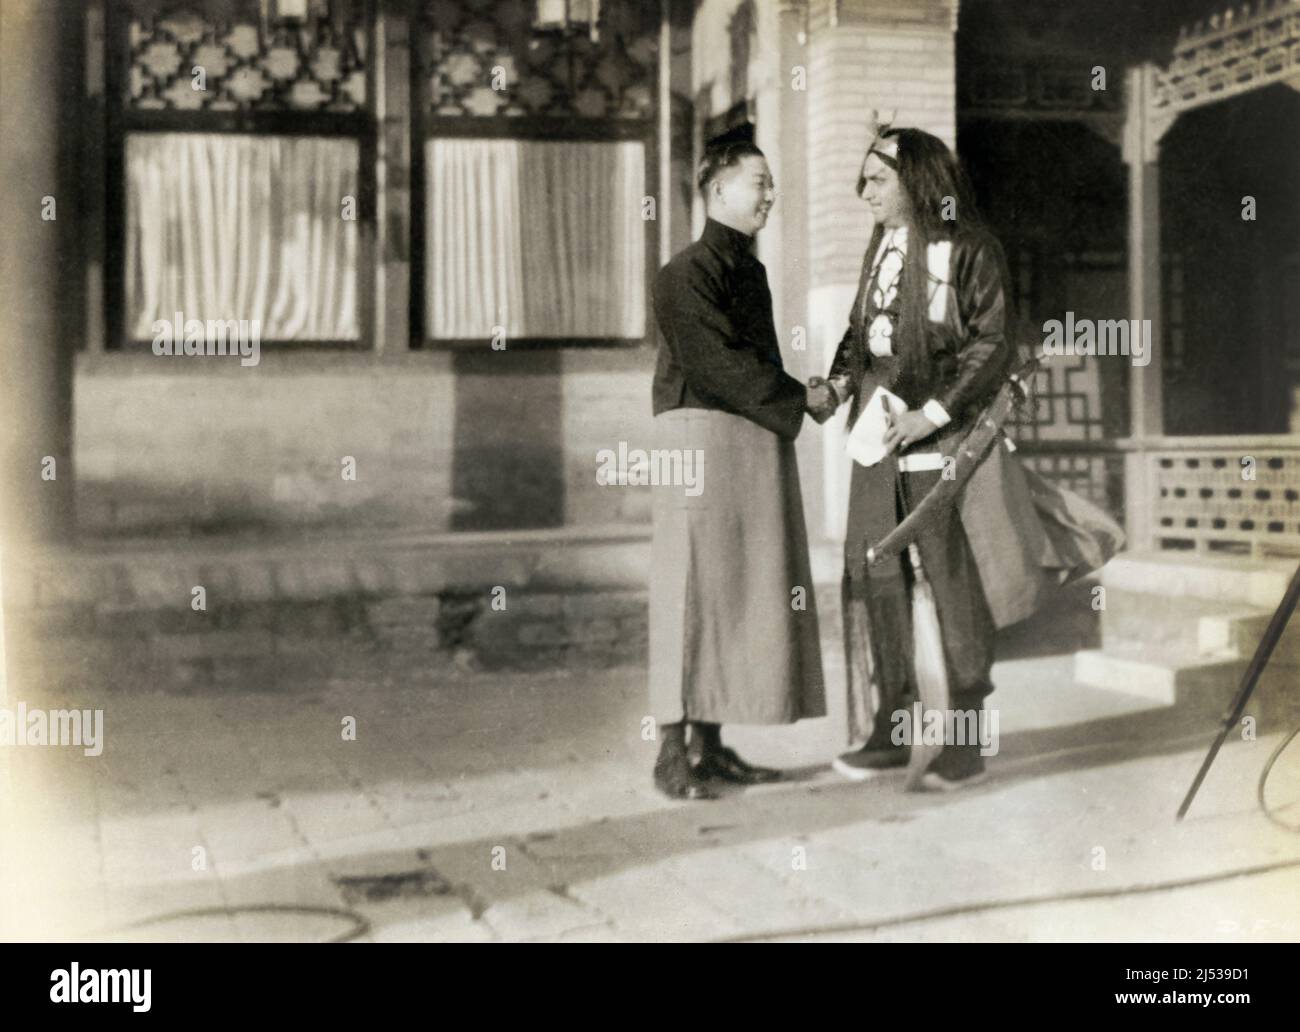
{"type": "Point", "coordinates": [920, 462]}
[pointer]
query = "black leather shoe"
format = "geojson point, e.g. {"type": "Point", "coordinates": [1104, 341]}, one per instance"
{"type": "Point", "coordinates": [723, 763]}
{"type": "Point", "coordinates": [676, 779]}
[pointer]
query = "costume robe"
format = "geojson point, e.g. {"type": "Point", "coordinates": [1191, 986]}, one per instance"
{"type": "Point", "coordinates": [1012, 537]}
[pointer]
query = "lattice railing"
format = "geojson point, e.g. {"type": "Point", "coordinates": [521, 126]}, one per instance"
{"type": "Point", "coordinates": [1242, 499]}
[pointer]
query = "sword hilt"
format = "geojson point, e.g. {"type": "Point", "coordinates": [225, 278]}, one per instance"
{"type": "Point", "coordinates": [1022, 377]}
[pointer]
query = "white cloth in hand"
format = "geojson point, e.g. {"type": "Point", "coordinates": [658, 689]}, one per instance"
{"type": "Point", "coordinates": [866, 441]}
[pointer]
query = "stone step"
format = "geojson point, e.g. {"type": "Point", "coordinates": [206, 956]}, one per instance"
{"type": "Point", "coordinates": [1232, 581]}
{"type": "Point", "coordinates": [1145, 619]}
{"type": "Point", "coordinates": [1195, 627]}
{"type": "Point", "coordinates": [1241, 633]}
{"type": "Point", "coordinates": [1198, 684]}
{"type": "Point", "coordinates": [1165, 677]}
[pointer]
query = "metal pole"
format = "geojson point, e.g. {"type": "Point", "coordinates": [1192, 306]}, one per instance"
{"type": "Point", "coordinates": [1248, 681]}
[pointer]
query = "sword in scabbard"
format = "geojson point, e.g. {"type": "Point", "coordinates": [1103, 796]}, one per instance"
{"type": "Point", "coordinates": [970, 453]}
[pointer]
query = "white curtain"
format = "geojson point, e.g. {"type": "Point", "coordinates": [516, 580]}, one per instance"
{"type": "Point", "coordinates": [473, 244]}
{"type": "Point", "coordinates": [225, 226]}
{"type": "Point", "coordinates": [545, 239]}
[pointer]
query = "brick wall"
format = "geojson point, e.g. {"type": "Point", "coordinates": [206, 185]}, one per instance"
{"type": "Point", "coordinates": [186, 445]}
{"type": "Point", "coordinates": [878, 55]}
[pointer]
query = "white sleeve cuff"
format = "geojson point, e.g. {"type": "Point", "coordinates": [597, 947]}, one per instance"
{"type": "Point", "coordinates": [936, 413]}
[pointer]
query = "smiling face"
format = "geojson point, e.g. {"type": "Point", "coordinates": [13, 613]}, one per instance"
{"type": "Point", "coordinates": [741, 196]}
{"type": "Point", "coordinates": [884, 194]}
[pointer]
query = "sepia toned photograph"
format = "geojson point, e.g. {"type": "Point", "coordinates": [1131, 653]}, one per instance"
{"type": "Point", "coordinates": [501, 471]}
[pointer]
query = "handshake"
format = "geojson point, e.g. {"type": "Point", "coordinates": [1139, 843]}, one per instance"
{"type": "Point", "coordinates": [825, 396]}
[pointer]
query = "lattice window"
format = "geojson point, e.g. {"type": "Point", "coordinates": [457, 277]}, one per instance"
{"type": "Point", "coordinates": [1062, 430]}
{"type": "Point", "coordinates": [480, 58]}
{"type": "Point", "coordinates": [240, 161]}
{"type": "Point", "coordinates": [1061, 434]}
{"type": "Point", "coordinates": [183, 59]}
{"type": "Point", "coordinates": [1065, 404]}
{"type": "Point", "coordinates": [1060, 87]}
{"type": "Point", "coordinates": [482, 70]}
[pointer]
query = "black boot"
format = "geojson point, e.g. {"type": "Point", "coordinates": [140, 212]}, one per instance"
{"type": "Point", "coordinates": [959, 765]}
{"type": "Point", "coordinates": [674, 776]}
{"type": "Point", "coordinates": [880, 754]}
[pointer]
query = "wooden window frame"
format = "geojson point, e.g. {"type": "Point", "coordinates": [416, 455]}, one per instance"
{"type": "Point", "coordinates": [121, 120]}
{"type": "Point", "coordinates": [425, 127]}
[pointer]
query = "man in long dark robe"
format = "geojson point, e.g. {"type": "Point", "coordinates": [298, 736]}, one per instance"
{"type": "Point", "coordinates": [733, 621]}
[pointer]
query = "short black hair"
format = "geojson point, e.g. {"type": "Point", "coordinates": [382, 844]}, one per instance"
{"type": "Point", "coordinates": [719, 156]}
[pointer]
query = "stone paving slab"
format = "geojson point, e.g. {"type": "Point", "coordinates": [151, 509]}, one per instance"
{"type": "Point", "coordinates": [549, 774]}
{"type": "Point", "coordinates": [1229, 912]}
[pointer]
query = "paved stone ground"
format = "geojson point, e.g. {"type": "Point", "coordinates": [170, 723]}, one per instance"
{"type": "Point", "coordinates": [519, 807]}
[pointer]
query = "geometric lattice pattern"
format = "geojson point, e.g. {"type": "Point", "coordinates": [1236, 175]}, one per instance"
{"type": "Point", "coordinates": [1049, 84]}
{"type": "Point", "coordinates": [1230, 53]}
{"type": "Point", "coordinates": [482, 58]}
{"type": "Point", "coordinates": [1207, 500]}
{"type": "Point", "coordinates": [320, 68]}
{"type": "Point", "coordinates": [1064, 403]}
{"type": "Point", "coordinates": [1064, 408]}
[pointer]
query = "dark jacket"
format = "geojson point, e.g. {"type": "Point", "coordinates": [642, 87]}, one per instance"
{"type": "Point", "coordinates": [1027, 535]}
{"type": "Point", "coordinates": [719, 348]}
{"type": "Point", "coordinates": [969, 341]}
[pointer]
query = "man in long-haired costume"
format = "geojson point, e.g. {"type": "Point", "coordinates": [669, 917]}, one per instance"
{"type": "Point", "coordinates": [926, 350]}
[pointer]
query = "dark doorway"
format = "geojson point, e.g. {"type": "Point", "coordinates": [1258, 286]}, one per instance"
{"type": "Point", "coordinates": [1054, 193]}
{"type": "Point", "coordinates": [1232, 332]}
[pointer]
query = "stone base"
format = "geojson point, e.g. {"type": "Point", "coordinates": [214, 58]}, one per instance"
{"type": "Point", "coordinates": [238, 644]}
{"type": "Point", "coordinates": [132, 615]}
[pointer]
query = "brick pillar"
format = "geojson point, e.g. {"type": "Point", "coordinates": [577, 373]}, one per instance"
{"type": "Point", "coordinates": [40, 65]}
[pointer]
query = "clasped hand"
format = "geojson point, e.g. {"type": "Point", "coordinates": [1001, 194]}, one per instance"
{"type": "Point", "coordinates": [822, 399]}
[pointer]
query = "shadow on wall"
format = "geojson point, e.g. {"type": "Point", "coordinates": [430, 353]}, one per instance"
{"type": "Point", "coordinates": [508, 466]}
{"type": "Point", "coordinates": [474, 441]}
